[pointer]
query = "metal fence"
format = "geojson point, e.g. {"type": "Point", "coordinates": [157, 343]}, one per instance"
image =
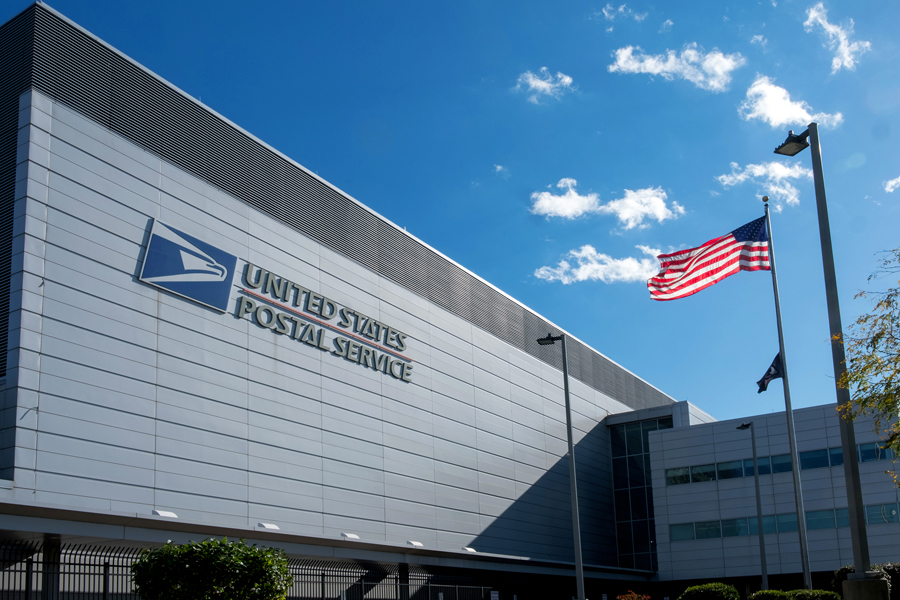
{"type": "Point", "coordinates": [79, 572]}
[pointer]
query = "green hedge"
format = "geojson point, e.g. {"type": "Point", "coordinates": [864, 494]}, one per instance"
{"type": "Point", "coordinates": [769, 595]}
{"type": "Point", "coordinates": [813, 595]}
{"type": "Point", "coordinates": [212, 570]}
{"type": "Point", "coordinates": [710, 591]}
{"type": "Point", "coordinates": [889, 571]}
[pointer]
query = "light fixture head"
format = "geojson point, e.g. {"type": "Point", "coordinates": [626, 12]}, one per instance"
{"type": "Point", "coordinates": [472, 550]}
{"type": "Point", "coordinates": [415, 544]}
{"type": "Point", "coordinates": [793, 144]}
{"type": "Point", "coordinates": [743, 426]}
{"type": "Point", "coordinates": [549, 340]}
{"type": "Point", "coordinates": [268, 526]}
{"type": "Point", "coordinates": [165, 513]}
{"type": "Point", "coordinates": [350, 536]}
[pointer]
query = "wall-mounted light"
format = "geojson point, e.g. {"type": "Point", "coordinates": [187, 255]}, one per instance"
{"type": "Point", "coordinates": [268, 526]}
{"type": "Point", "coordinates": [472, 550]}
{"type": "Point", "coordinates": [350, 536]}
{"type": "Point", "coordinates": [165, 513]}
{"type": "Point", "coordinates": [415, 544]}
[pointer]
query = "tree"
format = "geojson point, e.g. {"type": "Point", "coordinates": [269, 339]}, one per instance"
{"type": "Point", "coordinates": [873, 358]}
{"type": "Point", "coordinates": [212, 570]}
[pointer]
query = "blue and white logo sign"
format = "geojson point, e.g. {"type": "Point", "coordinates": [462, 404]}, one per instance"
{"type": "Point", "coordinates": [188, 267]}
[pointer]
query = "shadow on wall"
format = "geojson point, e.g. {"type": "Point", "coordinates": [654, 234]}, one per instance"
{"type": "Point", "coordinates": [539, 523]}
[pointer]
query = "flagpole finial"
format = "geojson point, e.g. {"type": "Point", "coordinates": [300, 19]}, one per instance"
{"type": "Point", "coordinates": [765, 199]}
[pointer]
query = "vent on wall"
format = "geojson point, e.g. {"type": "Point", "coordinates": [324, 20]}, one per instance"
{"type": "Point", "coordinates": [77, 70]}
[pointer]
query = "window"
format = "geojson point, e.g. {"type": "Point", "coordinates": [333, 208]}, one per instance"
{"type": "Point", "coordinates": [836, 455]}
{"type": "Point", "coordinates": [638, 503]}
{"type": "Point", "coordinates": [641, 531]}
{"type": "Point", "coordinates": [735, 527]}
{"type": "Point", "coordinates": [768, 525]}
{"type": "Point", "coordinates": [617, 440]}
{"type": "Point", "coordinates": [786, 523]}
{"type": "Point", "coordinates": [814, 459]}
{"type": "Point", "coordinates": [730, 470]}
{"type": "Point", "coordinates": [623, 505]}
{"type": "Point", "coordinates": [764, 468]}
{"type": "Point", "coordinates": [633, 438]}
{"type": "Point", "coordinates": [708, 529]}
{"type": "Point", "coordinates": [703, 473]}
{"type": "Point", "coordinates": [646, 428]}
{"type": "Point", "coordinates": [820, 519]}
{"type": "Point", "coordinates": [781, 463]}
{"type": "Point", "coordinates": [881, 513]}
{"type": "Point", "coordinates": [665, 423]}
{"type": "Point", "coordinates": [620, 473]}
{"type": "Point", "coordinates": [842, 516]}
{"type": "Point", "coordinates": [636, 471]}
{"type": "Point", "coordinates": [679, 533]}
{"type": "Point", "coordinates": [678, 476]}
{"type": "Point", "coordinates": [874, 451]}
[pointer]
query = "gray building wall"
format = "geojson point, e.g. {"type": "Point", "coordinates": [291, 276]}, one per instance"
{"type": "Point", "coordinates": [823, 489]}
{"type": "Point", "coordinates": [128, 399]}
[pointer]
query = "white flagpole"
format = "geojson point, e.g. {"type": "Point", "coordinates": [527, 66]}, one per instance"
{"type": "Point", "coordinates": [795, 459]}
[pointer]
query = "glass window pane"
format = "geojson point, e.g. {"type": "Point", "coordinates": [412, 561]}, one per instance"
{"type": "Point", "coordinates": [623, 532]}
{"type": "Point", "coordinates": [768, 525]}
{"type": "Point", "coordinates": [731, 469]}
{"type": "Point", "coordinates": [642, 561]}
{"type": "Point", "coordinates": [881, 513]}
{"type": "Point", "coordinates": [764, 468]}
{"type": "Point", "coordinates": [820, 519]}
{"type": "Point", "coordinates": [646, 428]}
{"type": "Point", "coordinates": [678, 476]}
{"type": "Point", "coordinates": [620, 473]}
{"type": "Point", "coordinates": [679, 533]}
{"type": "Point", "coordinates": [641, 536]}
{"type": "Point", "coordinates": [638, 504]}
{"type": "Point", "coordinates": [626, 561]}
{"type": "Point", "coordinates": [781, 463]}
{"type": "Point", "coordinates": [870, 452]}
{"type": "Point", "coordinates": [665, 423]}
{"type": "Point", "coordinates": [647, 475]}
{"type": "Point", "coordinates": [786, 523]}
{"type": "Point", "coordinates": [703, 473]}
{"type": "Point", "coordinates": [633, 438]}
{"type": "Point", "coordinates": [735, 527]}
{"type": "Point", "coordinates": [842, 516]}
{"type": "Point", "coordinates": [623, 505]}
{"type": "Point", "coordinates": [707, 529]}
{"type": "Point", "coordinates": [617, 440]}
{"type": "Point", "coordinates": [814, 459]}
{"type": "Point", "coordinates": [636, 471]}
{"type": "Point", "coordinates": [837, 456]}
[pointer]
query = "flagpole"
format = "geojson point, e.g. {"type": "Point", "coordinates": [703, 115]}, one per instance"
{"type": "Point", "coordinates": [795, 462]}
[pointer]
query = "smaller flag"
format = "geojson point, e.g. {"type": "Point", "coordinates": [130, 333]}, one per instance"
{"type": "Point", "coordinates": [686, 272]}
{"type": "Point", "coordinates": [775, 372]}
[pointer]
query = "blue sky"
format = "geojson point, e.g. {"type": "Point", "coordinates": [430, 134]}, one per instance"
{"type": "Point", "coordinates": [555, 148]}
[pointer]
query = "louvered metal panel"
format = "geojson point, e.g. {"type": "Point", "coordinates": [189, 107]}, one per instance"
{"type": "Point", "coordinates": [75, 69]}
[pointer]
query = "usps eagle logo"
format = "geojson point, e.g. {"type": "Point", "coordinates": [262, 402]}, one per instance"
{"type": "Point", "coordinates": [189, 267]}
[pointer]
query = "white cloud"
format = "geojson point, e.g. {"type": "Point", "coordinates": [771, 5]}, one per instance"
{"type": "Point", "coordinates": [666, 26]}
{"type": "Point", "coordinates": [846, 53]}
{"type": "Point", "coordinates": [544, 83]}
{"type": "Point", "coordinates": [759, 39]}
{"type": "Point", "coordinates": [593, 265]}
{"type": "Point", "coordinates": [501, 171]}
{"type": "Point", "coordinates": [708, 71]}
{"type": "Point", "coordinates": [772, 104]}
{"type": "Point", "coordinates": [632, 210]}
{"type": "Point", "coordinates": [611, 13]}
{"type": "Point", "coordinates": [891, 185]}
{"type": "Point", "coordinates": [772, 178]}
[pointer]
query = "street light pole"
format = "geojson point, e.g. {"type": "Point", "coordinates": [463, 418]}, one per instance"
{"type": "Point", "coordinates": [858, 536]}
{"type": "Point", "coordinates": [759, 515]}
{"type": "Point", "coordinates": [573, 488]}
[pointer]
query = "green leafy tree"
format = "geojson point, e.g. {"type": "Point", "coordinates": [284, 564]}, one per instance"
{"type": "Point", "coordinates": [212, 570]}
{"type": "Point", "coordinates": [873, 357]}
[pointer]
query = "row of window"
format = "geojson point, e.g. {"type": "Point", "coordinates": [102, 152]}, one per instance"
{"type": "Point", "coordinates": [813, 459]}
{"type": "Point", "coordinates": [784, 523]}
{"type": "Point", "coordinates": [633, 438]}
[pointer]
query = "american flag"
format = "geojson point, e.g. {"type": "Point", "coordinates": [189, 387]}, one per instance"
{"type": "Point", "coordinates": [686, 272]}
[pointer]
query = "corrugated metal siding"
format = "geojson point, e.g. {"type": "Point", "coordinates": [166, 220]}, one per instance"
{"type": "Point", "coordinates": [77, 70]}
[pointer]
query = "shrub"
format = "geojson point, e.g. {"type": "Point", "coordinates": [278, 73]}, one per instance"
{"type": "Point", "coordinates": [887, 570]}
{"type": "Point", "coordinates": [632, 596]}
{"type": "Point", "coordinates": [769, 595]}
{"type": "Point", "coordinates": [813, 595]}
{"type": "Point", "coordinates": [211, 570]}
{"type": "Point", "coordinates": [710, 591]}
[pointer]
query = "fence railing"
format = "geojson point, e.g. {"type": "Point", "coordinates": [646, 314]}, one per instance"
{"type": "Point", "coordinates": [80, 572]}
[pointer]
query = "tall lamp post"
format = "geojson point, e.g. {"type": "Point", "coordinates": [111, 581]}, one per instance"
{"type": "Point", "coordinates": [792, 146]}
{"type": "Point", "coordinates": [573, 488]}
{"type": "Point", "coordinates": [759, 516]}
